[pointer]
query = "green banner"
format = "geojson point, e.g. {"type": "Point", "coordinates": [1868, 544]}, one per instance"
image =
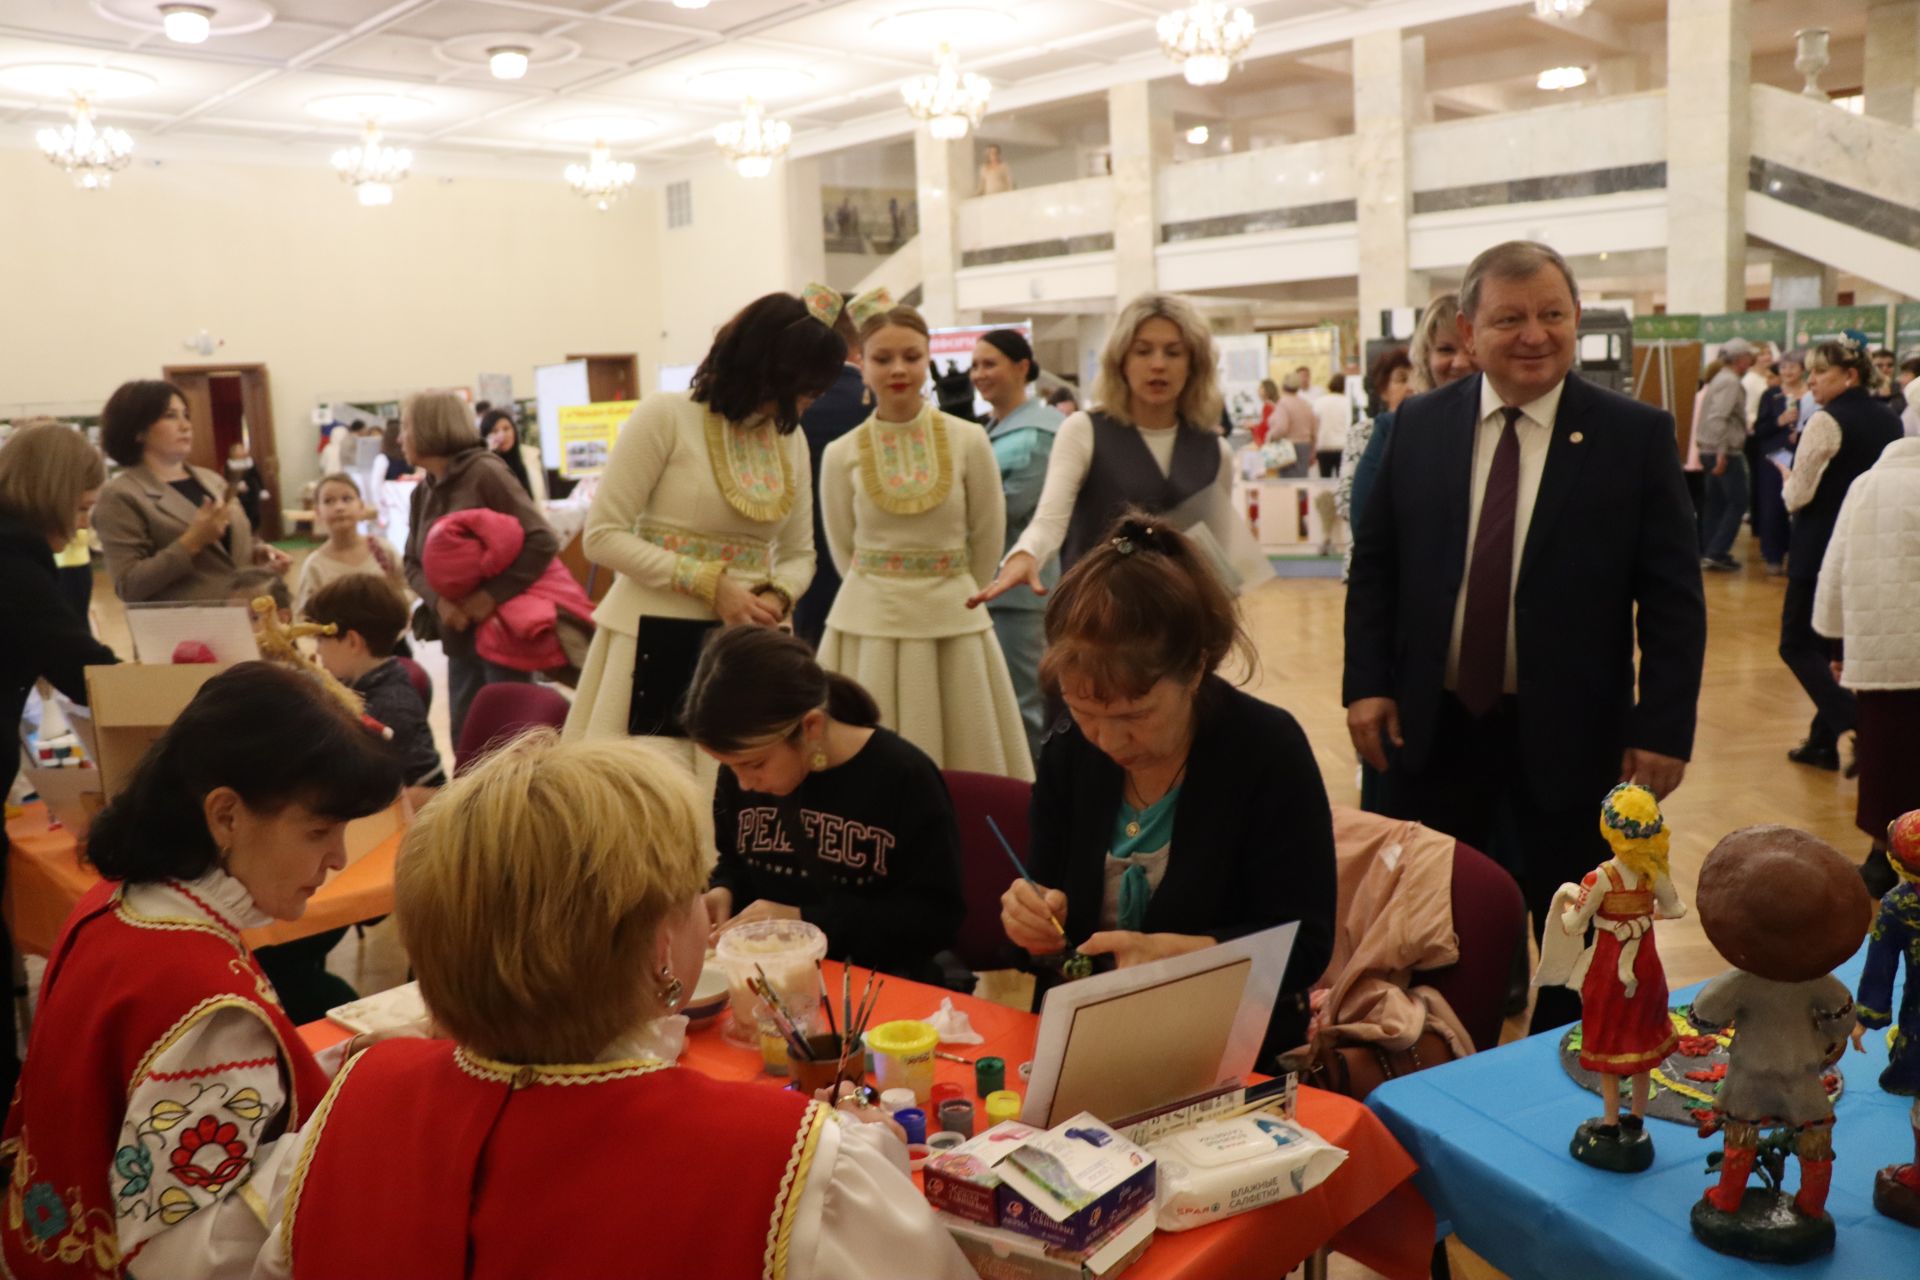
{"type": "Point", "coordinates": [1754, 326]}
{"type": "Point", "coordinates": [1666, 328]}
{"type": "Point", "coordinates": [1818, 324]}
{"type": "Point", "coordinates": [1906, 329]}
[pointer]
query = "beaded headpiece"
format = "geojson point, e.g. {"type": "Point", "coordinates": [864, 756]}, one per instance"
{"type": "Point", "coordinates": [874, 302]}
{"type": "Point", "coordinates": [823, 304]}
{"type": "Point", "coordinates": [1903, 844]}
{"type": "Point", "coordinates": [1632, 828]}
{"type": "Point", "coordinates": [1854, 341]}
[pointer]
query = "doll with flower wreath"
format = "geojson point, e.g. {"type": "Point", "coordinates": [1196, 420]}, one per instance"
{"type": "Point", "coordinates": [1625, 1028]}
{"type": "Point", "coordinates": [1896, 935]}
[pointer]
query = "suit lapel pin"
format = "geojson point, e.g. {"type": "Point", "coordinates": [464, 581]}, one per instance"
{"type": "Point", "coordinates": [1577, 436]}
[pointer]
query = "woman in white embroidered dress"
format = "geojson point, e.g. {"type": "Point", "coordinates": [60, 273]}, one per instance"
{"type": "Point", "coordinates": [552, 902]}
{"type": "Point", "coordinates": [915, 520]}
{"type": "Point", "coordinates": [705, 513]}
{"type": "Point", "coordinates": [161, 1070]}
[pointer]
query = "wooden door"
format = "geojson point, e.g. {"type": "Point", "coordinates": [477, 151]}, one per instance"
{"type": "Point", "coordinates": [256, 401]}
{"type": "Point", "coordinates": [196, 385]}
{"type": "Point", "coordinates": [612, 377]}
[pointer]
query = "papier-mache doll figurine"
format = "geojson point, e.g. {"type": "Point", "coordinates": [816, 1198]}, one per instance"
{"type": "Point", "coordinates": [1896, 933]}
{"type": "Point", "coordinates": [1784, 908]}
{"type": "Point", "coordinates": [1625, 1029]}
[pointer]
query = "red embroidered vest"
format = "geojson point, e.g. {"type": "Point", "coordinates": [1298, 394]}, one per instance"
{"type": "Point", "coordinates": [119, 989]}
{"type": "Point", "coordinates": [623, 1168]}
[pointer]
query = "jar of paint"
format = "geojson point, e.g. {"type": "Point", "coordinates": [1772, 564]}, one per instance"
{"type": "Point", "coordinates": [903, 1056]}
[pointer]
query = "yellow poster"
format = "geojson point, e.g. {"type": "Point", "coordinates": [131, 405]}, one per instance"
{"type": "Point", "coordinates": [587, 433]}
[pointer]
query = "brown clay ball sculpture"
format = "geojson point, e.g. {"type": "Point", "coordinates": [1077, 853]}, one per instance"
{"type": "Point", "coordinates": [1782, 904]}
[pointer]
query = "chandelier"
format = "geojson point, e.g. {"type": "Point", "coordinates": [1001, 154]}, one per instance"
{"type": "Point", "coordinates": [370, 168]}
{"type": "Point", "coordinates": [1559, 8]}
{"type": "Point", "coordinates": [950, 100]}
{"type": "Point", "coordinates": [753, 142]}
{"type": "Point", "coordinates": [91, 154]}
{"type": "Point", "coordinates": [1204, 38]}
{"type": "Point", "coordinates": [602, 179]}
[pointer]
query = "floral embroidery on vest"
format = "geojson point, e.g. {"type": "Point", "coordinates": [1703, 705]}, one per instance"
{"type": "Point", "coordinates": [750, 467]}
{"type": "Point", "coordinates": [888, 563]}
{"type": "Point", "coordinates": [906, 467]}
{"type": "Point", "coordinates": [58, 1227]}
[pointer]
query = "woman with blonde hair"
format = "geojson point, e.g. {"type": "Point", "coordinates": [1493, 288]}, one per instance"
{"type": "Point", "coordinates": [1151, 443]}
{"type": "Point", "coordinates": [461, 473]}
{"type": "Point", "coordinates": [1439, 356]}
{"type": "Point", "coordinates": [916, 518]}
{"type": "Point", "coordinates": [551, 904]}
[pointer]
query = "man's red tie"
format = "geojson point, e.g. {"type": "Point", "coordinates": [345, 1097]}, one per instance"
{"type": "Point", "coordinates": [1483, 633]}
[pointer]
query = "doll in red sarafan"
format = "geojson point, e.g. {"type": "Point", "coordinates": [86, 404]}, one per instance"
{"type": "Point", "coordinates": [1625, 1029]}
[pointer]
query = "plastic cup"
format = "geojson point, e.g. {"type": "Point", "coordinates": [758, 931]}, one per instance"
{"type": "Point", "coordinates": [788, 951]}
{"type": "Point", "coordinates": [903, 1056]}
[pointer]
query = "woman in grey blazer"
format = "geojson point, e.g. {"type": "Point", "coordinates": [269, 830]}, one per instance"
{"type": "Point", "coordinates": [170, 530]}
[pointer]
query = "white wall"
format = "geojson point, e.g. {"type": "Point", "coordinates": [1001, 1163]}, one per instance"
{"type": "Point", "coordinates": [457, 277]}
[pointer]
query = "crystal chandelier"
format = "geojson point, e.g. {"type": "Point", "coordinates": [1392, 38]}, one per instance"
{"type": "Point", "coordinates": [372, 169]}
{"type": "Point", "coordinates": [1204, 38]}
{"type": "Point", "coordinates": [1559, 8]}
{"type": "Point", "coordinates": [950, 100]}
{"type": "Point", "coordinates": [753, 142]}
{"type": "Point", "coordinates": [91, 154]}
{"type": "Point", "coordinates": [602, 179]}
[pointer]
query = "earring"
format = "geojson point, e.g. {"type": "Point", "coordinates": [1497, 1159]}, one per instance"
{"type": "Point", "coordinates": [817, 758]}
{"type": "Point", "coordinates": [672, 991]}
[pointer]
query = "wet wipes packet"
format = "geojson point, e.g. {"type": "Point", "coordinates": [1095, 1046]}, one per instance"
{"type": "Point", "coordinates": [1219, 1168]}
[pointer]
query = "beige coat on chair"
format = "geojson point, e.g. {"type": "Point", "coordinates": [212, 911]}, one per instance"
{"type": "Point", "coordinates": [139, 520]}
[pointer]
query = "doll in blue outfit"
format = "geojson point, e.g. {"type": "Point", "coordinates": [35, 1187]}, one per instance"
{"type": "Point", "coordinates": [1896, 934]}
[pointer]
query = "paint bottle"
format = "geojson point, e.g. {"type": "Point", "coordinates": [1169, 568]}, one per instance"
{"type": "Point", "coordinates": [989, 1075]}
{"type": "Point", "coordinates": [1002, 1105]}
{"type": "Point", "coordinates": [956, 1116]}
{"type": "Point", "coordinates": [894, 1101]}
{"type": "Point", "coordinates": [914, 1121]}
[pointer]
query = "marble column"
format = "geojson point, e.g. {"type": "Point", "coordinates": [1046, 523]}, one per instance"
{"type": "Point", "coordinates": [1893, 59]}
{"type": "Point", "coordinates": [1709, 53]}
{"type": "Point", "coordinates": [944, 176]}
{"type": "Point", "coordinates": [1140, 132]}
{"type": "Point", "coordinates": [1389, 98]}
{"type": "Point", "coordinates": [1091, 334]}
{"type": "Point", "coordinates": [1800, 283]}
{"type": "Point", "coordinates": [806, 246]}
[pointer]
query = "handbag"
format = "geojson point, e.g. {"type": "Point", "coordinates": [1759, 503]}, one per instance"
{"type": "Point", "coordinates": [666, 651]}
{"type": "Point", "coordinates": [1356, 1069]}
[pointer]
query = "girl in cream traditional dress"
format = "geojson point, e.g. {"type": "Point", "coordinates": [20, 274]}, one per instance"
{"type": "Point", "coordinates": [706, 514]}
{"type": "Point", "coordinates": [915, 519]}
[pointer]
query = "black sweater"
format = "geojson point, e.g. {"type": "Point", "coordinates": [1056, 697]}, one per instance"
{"type": "Point", "coordinates": [391, 700]}
{"type": "Point", "coordinates": [875, 862]}
{"type": "Point", "coordinates": [40, 634]}
{"type": "Point", "coordinates": [1252, 838]}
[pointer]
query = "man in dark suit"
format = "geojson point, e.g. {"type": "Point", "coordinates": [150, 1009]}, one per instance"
{"type": "Point", "coordinates": [840, 410]}
{"type": "Point", "coordinates": [1525, 525]}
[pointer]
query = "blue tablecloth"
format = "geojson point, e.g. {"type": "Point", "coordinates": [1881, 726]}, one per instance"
{"type": "Point", "coordinates": [1490, 1134]}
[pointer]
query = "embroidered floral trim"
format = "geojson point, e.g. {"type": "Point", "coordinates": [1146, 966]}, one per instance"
{"type": "Point", "coordinates": [698, 578]}
{"type": "Point", "coordinates": [887, 563]}
{"type": "Point", "coordinates": [736, 553]}
{"type": "Point", "coordinates": [793, 1182]}
{"type": "Point", "coordinates": [203, 1010]}
{"type": "Point", "coordinates": [209, 1155]}
{"type": "Point", "coordinates": [57, 1227]}
{"type": "Point", "coordinates": [750, 467]}
{"type": "Point", "coordinates": [906, 467]}
{"type": "Point", "coordinates": [523, 1076]}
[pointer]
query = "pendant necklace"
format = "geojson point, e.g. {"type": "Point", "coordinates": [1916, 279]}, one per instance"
{"type": "Point", "coordinates": [1133, 824]}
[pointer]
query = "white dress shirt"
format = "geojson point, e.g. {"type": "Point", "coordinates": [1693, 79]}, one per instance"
{"type": "Point", "coordinates": [1535, 429]}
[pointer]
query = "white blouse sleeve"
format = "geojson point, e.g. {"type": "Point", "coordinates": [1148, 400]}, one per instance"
{"type": "Point", "coordinates": [200, 1139]}
{"type": "Point", "coordinates": [860, 1214]}
{"type": "Point", "coordinates": [1818, 443]}
{"type": "Point", "coordinates": [1224, 481]}
{"type": "Point", "coordinates": [986, 507]}
{"type": "Point", "coordinates": [794, 555]}
{"type": "Point", "coordinates": [1066, 471]}
{"type": "Point", "coordinates": [836, 499]}
{"type": "Point", "coordinates": [639, 456]}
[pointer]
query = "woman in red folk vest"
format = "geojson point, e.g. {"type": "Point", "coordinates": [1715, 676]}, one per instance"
{"type": "Point", "coordinates": [161, 1073]}
{"type": "Point", "coordinates": [551, 903]}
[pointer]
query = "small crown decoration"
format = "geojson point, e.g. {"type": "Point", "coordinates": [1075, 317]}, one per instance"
{"type": "Point", "coordinates": [874, 302]}
{"type": "Point", "coordinates": [1632, 828]}
{"type": "Point", "coordinates": [823, 304]}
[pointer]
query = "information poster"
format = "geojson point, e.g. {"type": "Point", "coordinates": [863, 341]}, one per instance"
{"type": "Point", "coordinates": [1754, 326]}
{"type": "Point", "coordinates": [1666, 328]}
{"type": "Point", "coordinates": [1242, 360]}
{"type": "Point", "coordinates": [1822, 324]}
{"type": "Point", "coordinates": [1318, 349]}
{"type": "Point", "coordinates": [587, 433]}
{"type": "Point", "coordinates": [1906, 329]}
{"type": "Point", "coordinates": [950, 353]}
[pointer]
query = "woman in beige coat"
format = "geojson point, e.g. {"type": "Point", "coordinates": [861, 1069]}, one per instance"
{"type": "Point", "coordinates": [170, 530]}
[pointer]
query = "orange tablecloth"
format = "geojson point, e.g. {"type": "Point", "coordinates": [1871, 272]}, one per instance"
{"type": "Point", "coordinates": [45, 878]}
{"type": "Point", "coordinates": [1368, 1209]}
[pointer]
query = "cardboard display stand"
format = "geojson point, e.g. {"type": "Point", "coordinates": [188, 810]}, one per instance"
{"type": "Point", "coordinates": [133, 704]}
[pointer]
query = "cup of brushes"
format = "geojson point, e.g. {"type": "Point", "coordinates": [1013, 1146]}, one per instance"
{"type": "Point", "coordinates": [820, 1060]}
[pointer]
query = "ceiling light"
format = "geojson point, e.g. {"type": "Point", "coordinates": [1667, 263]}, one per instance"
{"type": "Point", "coordinates": [1559, 8]}
{"type": "Point", "coordinates": [1204, 38]}
{"type": "Point", "coordinates": [1555, 79]}
{"type": "Point", "coordinates": [602, 179]}
{"type": "Point", "coordinates": [91, 154]}
{"type": "Point", "coordinates": [508, 61]}
{"type": "Point", "coordinates": [950, 100]}
{"type": "Point", "coordinates": [1198, 135]}
{"type": "Point", "coordinates": [372, 168]}
{"type": "Point", "coordinates": [186, 23]}
{"type": "Point", "coordinates": [753, 142]}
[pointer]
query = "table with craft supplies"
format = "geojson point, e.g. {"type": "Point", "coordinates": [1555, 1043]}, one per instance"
{"type": "Point", "coordinates": [45, 878]}
{"type": "Point", "coordinates": [1490, 1133]}
{"type": "Point", "coordinates": [1368, 1209]}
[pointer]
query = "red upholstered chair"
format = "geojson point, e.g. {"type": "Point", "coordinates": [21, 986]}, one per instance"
{"type": "Point", "coordinates": [418, 678]}
{"type": "Point", "coordinates": [1489, 918]}
{"type": "Point", "coordinates": [502, 712]}
{"type": "Point", "coordinates": [984, 869]}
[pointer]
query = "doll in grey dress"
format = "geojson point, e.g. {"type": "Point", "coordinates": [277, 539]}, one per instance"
{"type": "Point", "coordinates": [1783, 908]}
